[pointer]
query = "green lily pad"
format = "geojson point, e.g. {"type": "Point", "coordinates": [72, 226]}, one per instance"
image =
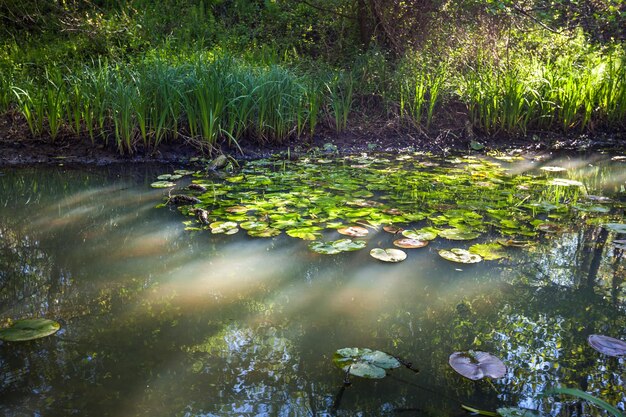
{"type": "Point", "coordinates": [337, 246]}
{"type": "Point", "coordinates": [229, 228]}
{"type": "Point", "coordinates": [388, 255]}
{"type": "Point", "coordinates": [365, 363]}
{"type": "Point", "coordinates": [29, 329]}
{"type": "Point", "coordinates": [476, 365]}
{"type": "Point", "coordinates": [420, 234]}
{"type": "Point", "coordinates": [408, 243]}
{"type": "Point", "coordinates": [517, 412]}
{"type": "Point", "coordinates": [515, 243]}
{"type": "Point", "coordinates": [489, 251]}
{"type": "Point", "coordinates": [162, 184]}
{"type": "Point", "coordinates": [616, 227]}
{"type": "Point", "coordinates": [353, 231]}
{"type": "Point", "coordinates": [183, 172]}
{"type": "Point", "coordinates": [305, 233]}
{"type": "Point", "coordinates": [267, 232]}
{"type": "Point", "coordinates": [460, 255]}
{"type": "Point", "coordinates": [458, 234]}
{"type": "Point", "coordinates": [255, 226]}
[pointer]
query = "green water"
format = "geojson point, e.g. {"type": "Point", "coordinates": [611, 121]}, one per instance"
{"type": "Point", "coordinates": [162, 321]}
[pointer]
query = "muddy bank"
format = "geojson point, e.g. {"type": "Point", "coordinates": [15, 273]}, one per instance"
{"type": "Point", "coordinates": [18, 147]}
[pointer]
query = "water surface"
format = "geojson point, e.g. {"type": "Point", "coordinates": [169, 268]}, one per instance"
{"type": "Point", "coordinates": [161, 321]}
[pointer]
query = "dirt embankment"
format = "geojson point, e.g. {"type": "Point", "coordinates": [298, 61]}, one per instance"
{"type": "Point", "coordinates": [18, 147]}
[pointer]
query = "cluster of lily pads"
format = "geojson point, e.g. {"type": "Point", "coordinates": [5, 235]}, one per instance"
{"type": "Point", "coordinates": [474, 365]}
{"type": "Point", "coordinates": [416, 198]}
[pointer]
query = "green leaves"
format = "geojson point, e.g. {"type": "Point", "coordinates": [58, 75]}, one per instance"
{"type": "Point", "coordinates": [365, 363]}
{"type": "Point", "coordinates": [461, 256]}
{"type": "Point", "coordinates": [388, 255]}
{"type": "Point", "coordinates": [29, 329]}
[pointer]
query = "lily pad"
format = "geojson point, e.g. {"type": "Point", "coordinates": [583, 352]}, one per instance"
{"type": "Point", "coordinates": [337, 246]}
{"type": "Point", "coordinates": [354, 231]}
{"type": "Point", "coordinates": [460, 255]}
{"type": "Point", "coordinates": [162, 184]}
{"type": "Point", "coordinates": [229, 228]}
{"type": "Point", "coordinates": [388, 255]}
{"type": "Point", "coordinates": [255, 226]}
{"type": "Point", "coordinates": [476, 365]}
{"type": "Point", "coordinates": [607, 345]}
{"type": "Point", "coordinates": [267, 232]}
{"type": "Point", "coordinates": [489, 251]}
{"type": "Point", "coordinates": [29, 329]}
{"type": "Point", "coordinates": [305, 233]}
{"type": "Point", "coordinates": [553, 169]}
{"type": "Point", "coordinates": [420, 234]}
{"type": "Point", "coordinates": [365, 363]}
{"type": "Point", "coordinates": [393, 229]}
{"type": "Point", "coordinates": [458, 234]}
{"type": "Point", "coordinates": [616, 227]}
{"type": "Point", "coordinates": [408, 243]}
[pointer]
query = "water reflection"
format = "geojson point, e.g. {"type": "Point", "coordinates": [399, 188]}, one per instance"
{"type": "Point", "coordinates": [158, 321]}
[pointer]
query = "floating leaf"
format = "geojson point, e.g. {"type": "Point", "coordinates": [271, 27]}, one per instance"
{"type": "Point", "coordinates": [458, 234]}
{"type": "Point", "coordinates": [337, 246]}
{"type": "Point", "coordinates": [607, 345]}
{"type": "Point", "coordinates": [162, 184]}
{"type": "Point", "coordinates": [236, 209]}
{"type": "Point", "coordinates": [354, 231]}
{"type": "Point", "coordinates": [267, 232]}
{"type": "Point", "coordinates": [365, 363]}
{"type": "Point", "coordinates": [408, 243]}
{"type": "Point", "coordinates": [421, 234]}
{"type": "Point", "coordinates": [305, 233]}
{"type": "Point", "coordinates": [460, 255]}
{"type": "Point", "coordinates": [229, 228]}
{"type": "Point", "coordinates": [548, 227]}
{"type": "Point", "coordinates": [29, 329]}
{"type": "Point", "coordinates": [553, 169]}
{"type": "Point", "coordinates": [515, 243]}
{"type": "Point", "coordinates": [388, 255]}
{"type": "Point", "coordinates": [616, 227]}
{"type": "Point", "coordinates": [476, 365]}
{"type": "Point", "coordinates": [517, 412]}
{"type": "Point", "coordinates": [488, 251]}
{"type": "Point", "coordinates": [255, 226]}
{"type": "Point", "coordinates": [477, 146]}
{"type": "Point", "coordinates": [393, 229]}
{"type": "Point", "coordinates": [183, 172]}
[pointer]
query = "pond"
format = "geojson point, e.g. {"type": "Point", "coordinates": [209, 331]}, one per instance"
{"type": "Point", "coordinates": [234, 304]}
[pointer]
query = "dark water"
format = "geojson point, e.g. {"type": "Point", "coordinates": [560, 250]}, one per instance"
{"type": "Point", "coordinates": [159, 321]}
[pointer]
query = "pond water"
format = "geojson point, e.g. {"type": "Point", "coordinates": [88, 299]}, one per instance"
{"type": "Point", "coordinates": [162, 317]}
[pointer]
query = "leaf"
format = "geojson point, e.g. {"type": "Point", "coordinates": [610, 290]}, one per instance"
{"type": "Point", "coordinates": [616, 227]}
{"type": "Point", "coordinates": [477, 146]}
{"type": "Point", "coordinates": [479, 412]}
{"type": "Point", "coordinates": [162, 184]}
{"type": "Point", "coordinates": [553, 169]}
{"type": "Point", "coordinates": [354, 231]}
{"type": "Point", "coordinates": [305, 233]}
{"type": "Point", "coordinates": [365, 363]}
{"type": "Point", "coordinates": [388, 255]}
{"type": "Point", "coordinates": [607, 345]}
{"type": "Point", "coordinates": [488, 251]}
{"type": "Point", "coordinates": [460, 255]}
{"type": "Point", "coordinates": [29, 329]}
{"type": "Point", "coordinates": [407, 243]}
{"type": "Point", "coordinates": [585, 396]}
{"type": "Point", "coordinates": [267, 232]}
{"type": "Point", "coordinates": [228, 228]}
{"type": "Point", "coordinates": [476, 365]}
{"type": "Point", "coordinates": [420, 234]}
{"type": "Point", "coordinates": [458, 234]}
